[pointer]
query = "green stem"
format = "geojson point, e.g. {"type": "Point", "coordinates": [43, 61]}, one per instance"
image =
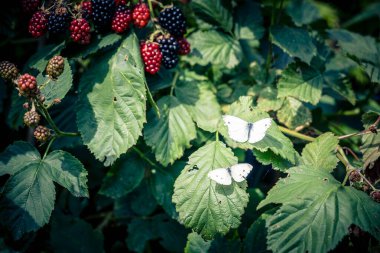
{"type": "Point", "coordinates": [152, 102]}
{"type": "Point", "coordinates": [217, 135]}
{"type": "Point", "coordinates": [151, 9]}
{"type": "Point", "coordinates": [296, 134]}
{"type": "Point", "coordinates": [48, 147]}
{"type": "Point", "coordinates": [144, 157]}
{"type": "Point", "coordinates": [345, 179]}
{"type": "Point", "coordinates": [174, 82]}
{"type": "Point", "coordinates": [279, 12]}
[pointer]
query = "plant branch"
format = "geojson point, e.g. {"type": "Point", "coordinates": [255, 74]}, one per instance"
{"type": "Point", "coordinates": [104, 222]}
{"type": "Point", "coordinates": [48, 147]}
{"type": "Point", "coordinates": [174, 82]}
{"type": "Point", "coordinates": [151, 9]}
{"type": "Point", "coordinates": [144, 157]}
{"type": "Point", "coordinates": [370, 130]}
{"type": "Point", "coordinates": [296, 134]}
{"type": "Point", "coordinates": [152, 102]}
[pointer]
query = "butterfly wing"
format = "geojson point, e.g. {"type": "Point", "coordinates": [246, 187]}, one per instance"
{"type": "Point", "coordinates": [221, 176]}
{"type": "Point", "coordinates": [259, 129]}
{"type": "Point", "coordinates": [239, 172]}
{"type": "Point", "coordinates": [237, 128]}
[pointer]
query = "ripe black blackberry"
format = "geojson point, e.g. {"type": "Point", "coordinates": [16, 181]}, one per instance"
{"type": "Point", "coordinates": [169, 48]}
{"type": "Point", "coordinates": [170, 60]}
{"type": "Point", "coordinates": [42, 134]}
{"type": "Point", "coordinates": [31, 118]}
{"type": "Point", "coordinates": [55, 66]}
{"type": "Point", "coordinates": [8, 71]}
{"type": "Point", "coordinates": [173, 20]}
{"type": "Point", "coordinates": [102, 13]}
{"type": "Point", "coordinates": [58, 21]}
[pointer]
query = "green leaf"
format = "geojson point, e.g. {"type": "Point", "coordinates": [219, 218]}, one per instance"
{"type": "Point", "coordinates": [196, 244]}
{"type": "Point", "coordinates": [316, 208]}
{"type": "Point", "coordinates": [171, 134]}
{"type": "Point", "coordinates": [124, 176]}
{"type": "Point", "coordinates": [320, 153]}
{"type": "Point", "coordinates": [268, 100]}
{"type": "Point", "coordinates": [341, 84]}
{"type": "Point", "coordinates": [142, 201]}
{"type": "Point", "coordinates": [112, 102]}
{"type": "Point", "coordinates": [278, 163]}
{"type": "Point", "coordinates": [303, 12]}
{"type": "Point", "coordinates": [255, 240]}
{"type": "Point", "coordinates": [302, 82]}
{"type": "Point", "coordinates": [197, 96]}
{"type": "Point", "coordinates": [213, 12]}
{"type": "Point", "coordinates": [249, 21]}
{"type": "Point", "coordinates": [216, 48]}
{"type": "Point", "coordinates": [363, 49]}
{"type": "Point", "coordinates": [203, 205]}
{"type": "Point", "coordinates": [15, 114]}
{"type": "Point", "coordinates": [161, 182]}
{"type": "Point", "coordinates": [294, 114]}
{"type": "Point", "coordinates": [69, 234]}
{"type": "Point", "coordinates": [274, 140]}
{"type": "Point", "coordinates": [296, 42]}
{"type": "Point", "coordinates": [370, 142]}
{"type": "Point", "coordinates": [100, 43]}
{"type": "Point", "coordinates": [27, 198]}
{"type": "Point", "coordinates": [370, 11]}
{"type": "Point", "coordinates": [40, 59]}
{"type": "Point", "coordinates": [58, 88]}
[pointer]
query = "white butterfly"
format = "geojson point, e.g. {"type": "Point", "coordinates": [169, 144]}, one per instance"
{"type": "Point", "coordinates": [242, 131]}
{"type": "Point", "coordinates": [238, 172]}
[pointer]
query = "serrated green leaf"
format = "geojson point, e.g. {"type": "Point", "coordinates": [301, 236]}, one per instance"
{"type": "Point", "coordinates": [320, 153]}
{"type": "Point", "coordinates": [274, 140]}
{"type": "Point", "coordinates": [255, 240]}
{"type": "Point", "coordinates": [302, 82]}
{"type": "Point", "coordinates": [123, 177]}
{"type": "Point", "coordinates": [58, 88]}
{"type": "Point", "coordinates": [294, 113]}
{"type": "Point", "coordinates": [370, 142]}
{"type": "Point", "coordinates": [341, 84]}
{"type": "Point", "coordinates": [249, 21]}
{"type": "Point", "coordinates": [196, 244]}
{"type": "Point", "coordinates": [40, 59]}
{"type": "Point", "coordinates": [269, 157]}
{"type": "Point", "coordinates": [303, 12]}
{"type": "Point", "coordinates": [171, 134]}
{"type": "Point", "coordinates": [161, 182]}
{"type": "Point", "coordinates": [69, 234]}
{"type": "Point", "coordinates": [294, 41]}
{"type": "Point", "coordinates": [142, 201]}
{"type": "Point", "coordinates": [214, 12]}
{"type": "Point", "coordinates": [216, 48]}
{"type": "Point", "coordinates": [316, 208]}
{"type": "Point", "coordinates": [27, 198]}
{"type": "Point", "coordinates": [218, 207]}
{"type": "Point", "coordinates": [112, 102]}
{"type": "Point", "coordinates": [268, 101]}
{"type": "Point", "coordinates": [196, 95]}
{"type": "Point", "coordinates": [100, 43]}
{"type": "Point", "coordinates": [15, 114]}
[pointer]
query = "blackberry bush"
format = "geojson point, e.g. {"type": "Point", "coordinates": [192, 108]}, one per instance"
{"type": "Point", "coordinates": [102, 13]}
{"type": "Point", "coordinates": [55, 66]}
{"type": "Point", "coordinates": [173, 20]}
{"type": "Point", "coordinates": [8, 71]}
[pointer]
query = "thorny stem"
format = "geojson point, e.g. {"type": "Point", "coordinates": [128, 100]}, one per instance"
{"type": "Point", "coordinates": [144, 157]}
{"type": "Point", "coordinates": [174, 83]}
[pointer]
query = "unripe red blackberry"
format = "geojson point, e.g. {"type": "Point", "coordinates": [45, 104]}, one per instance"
{"type": "Point", "coordinates": [120, 2]}
{"type": "Point", "coordinates": [86, 8]}
{"type": "Point", "coordinates": [80, 31]}
{"type": "Point", "coordinates": [31, 118]}
{"type": "Point", "coordinates": [184, 46]}
{"type": "Point", "coordinates": [141, 15]}
{"type": "Point", "coordinates": [30, 6]}
{"type": "Point", "coordinates": [173, 20]}
{"type": "Point", "coordinates": [151, 56]}
{"type": "Point", "coordinates": [122, 19]}
{"type": "Point", "coordinates": [355, 176]}
{"type": "Point", "coordinates": [8, 71]}
{"type": "Point", "coordinates": [375, 195]}
{"type": "Point", "coordinates": [38, 24]}
{"type": "Point", "coordinates": [27, 85]}
{"type": "Point", "coordinates": [58, 21]}
{"type": "Point", "coordinates": [42, 134]}
{"type": "Point", "coordinates": [55, 66]}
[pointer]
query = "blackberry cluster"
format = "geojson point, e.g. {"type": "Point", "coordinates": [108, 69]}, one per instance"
{"type": "Point", "coordinates": [58, 21]}
{"type": "Point", "coordinates": [173, 20]}
{"type": "Point", "coordinates": [86, 9]}
{"type": "Point", "coordinates": [184, 46]}
{"type": "Point", "coordinates": [169, 48]}
{"type": "Point", "coordinates": [55, 66]}
{"type": "Point", "coordinates": [122, 19]}
{"type": "Point", "coordinates": [31, 118]}
{"type": "Point", "coordinates": [151, 56]}
{"type": "Point", "coordinates": [80, 31]}
{"type": "Point", "coordinates": [102, 13]}
{"type": "Point", "coordinates": [8, 71]}
{"type": "Point", "coordinates": [42, 134]}
{"type": "Point", "coordinates": [141, 15]}
{"type": "Point", "coordinates": [38, 24]}
{"type": "Point", "coordinates": [27, 85]}
{"type": "Point", "coordinates": [30, 6]}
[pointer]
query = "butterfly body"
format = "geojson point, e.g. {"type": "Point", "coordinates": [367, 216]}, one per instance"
{"type": "Point", "coordinates": [237, 172]}
{"type": "Point", "coordinates": [240, 130]}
